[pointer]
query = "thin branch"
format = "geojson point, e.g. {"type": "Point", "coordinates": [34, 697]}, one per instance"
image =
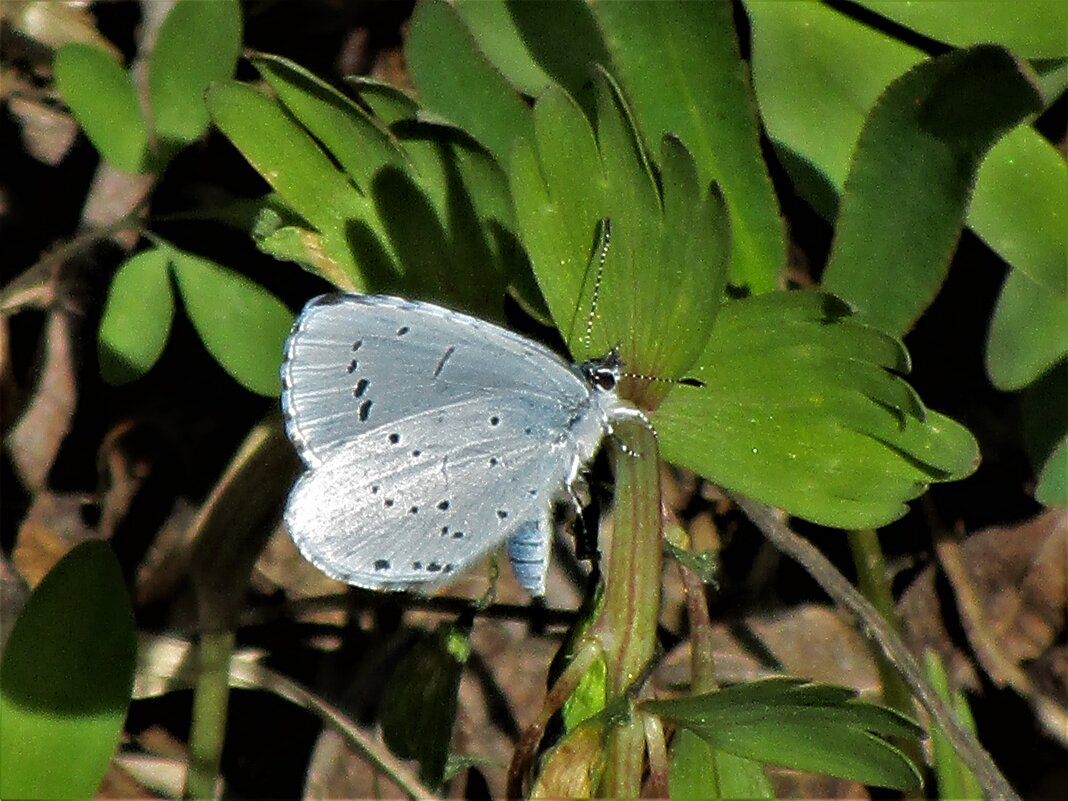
{"type": "Point", "coordinates": [994, 784]}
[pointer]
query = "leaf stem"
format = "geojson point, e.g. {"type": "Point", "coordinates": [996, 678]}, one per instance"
{"type": "Point", "coordinates": [627, 624]}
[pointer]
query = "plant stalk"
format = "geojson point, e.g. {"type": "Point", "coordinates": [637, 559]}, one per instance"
{"type": "Point", "coordinates": [627, 625]}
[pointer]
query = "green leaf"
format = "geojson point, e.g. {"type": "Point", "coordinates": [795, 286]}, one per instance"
{"type": "Point", "coordinates": [699, 772]}
{"type": "Point", "coordinates": [798, 407]}
{"type": "Point", "coordinates": [302, 175]}
{"type": "Point", "coordinates": [496, 27]}
{"type": "Point", "coordinates": [1028, 333]}
{"type": "Point", "coordinates": [470, 93]}
{"type": "Point", "coordinates": [955, 779]}
{"type": "Point", "coordinates": [420, 701]}
{"type": "Point", "coordinates": [668, 250]}
{"type": "Point", "coordinates": [104, 102]}
{"type": "Point", "coordinates": [559, 191]}
{"type": "Point", "coordinates": [1032, 30]}
{"type": "Point", "coordinates": [197, 44]}
{"type": "Point", "coordinates": [798, 48]}
{"type": "Point", "coordinates": [361, 144]}
{"type": "Point", "coordinates": [137, 317]}
{"type": "Point", "coordinates": [817, 73]}
{"type": "Point", "coordinates": [1044, 413]}
{"type": "Point", "coordinates": [560, 40]}
{"type": "Point", "coordinates": [800, 725]}
{"type": "Point", "coordinates": [242, 325]}
{"type": "Point", "coordinates": [1019, 207]}
{"type": "Point", "coordinates": [450, 219]}
{"type": "Point", "coordinates": [66, 678]}
{"type": "Point", "coordinates": [387, 102]}
{"type": "Point", "coordinates": [703, 97]}
{"type": "Point", "coordinates": [911, 179]}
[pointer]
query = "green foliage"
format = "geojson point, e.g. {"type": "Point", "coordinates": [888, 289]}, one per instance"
{"type": "Point", "coordinates": [955, 780]}
{"type": "Point", "coordinates": [923, 139]}
{"type": "Point", "coordinates": [1028, 333]}
{"type": "Point", "coordinates": [408, 204]}
{"type": "Point", "coordinates": [137, 317]}
{"type": "Point", "coordinates": [1017, 205]}
{"type": "Point", "coordinates": [700, 772]}
{"type": "Point", "coordinates": [103, 100]}
{"type": "Point", "coordinates": [803, 406]}
{"type": "Point", "coordinates": [471, 191]}
{"type": "Point", "coordinates": [419, 704]}
{"type": "Point", "coordinates": [816, 122]}
{"type": "Point", "coordinates": [197, 43]}
{"type": "Point", "coordinates": [65, 679]}
{"type": "Point", "coordinates": [700, 73]}
{"type": "Point", "coordinates": [242, 325]}
{"type": "Point", "coordinates": [804, 726]}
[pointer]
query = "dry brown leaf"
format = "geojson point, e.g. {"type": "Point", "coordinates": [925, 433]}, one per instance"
{"type": "Point", "coordinates": [811, 641]}
{"type": "Point", "coordinates": [1009, 584]}
{"type": "Point", "coordinates": [52, 526]}
{"type": "Point", "coordinates": [36, 438]}
{"type": "Point", "coordinates": [47, 133]}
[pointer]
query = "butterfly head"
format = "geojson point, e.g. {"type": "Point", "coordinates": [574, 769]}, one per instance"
{"type": "Point", "coordinates": [603, 374]}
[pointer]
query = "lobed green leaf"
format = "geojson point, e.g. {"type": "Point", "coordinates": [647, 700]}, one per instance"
{"type": "Point", "coordinates": [302, 175]}
{"type": "Point", "coordinates": [699, 92]}
{"type": "Point", "coordinates": [791, 410]}
{"type": "Point", "coordinates": [803, 726]}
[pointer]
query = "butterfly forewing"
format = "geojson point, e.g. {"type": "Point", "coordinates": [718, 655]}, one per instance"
{"type": "Point", "coordinates": [356, 363]}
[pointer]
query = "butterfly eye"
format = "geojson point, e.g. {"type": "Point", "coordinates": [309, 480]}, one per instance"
{"type": "Point", "coordinates": [604, 380]}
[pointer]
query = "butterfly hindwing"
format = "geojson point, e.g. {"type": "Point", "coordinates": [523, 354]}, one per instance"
{"type": "Point", "coordinates": [393, 515]}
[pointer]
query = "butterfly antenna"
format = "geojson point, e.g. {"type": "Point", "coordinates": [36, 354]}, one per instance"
{"type": "Point", "coordinates": [655, 379]}
{"type": "Point", "coordinates": [606, 239]}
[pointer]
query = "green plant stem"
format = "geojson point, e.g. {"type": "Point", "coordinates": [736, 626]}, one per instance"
{"type": "Point", "coordinates": [874, 584]}
{"type": "Point", "coordinates": [209, 714]}
{"type": "Point", "coordinates": [627, 625]}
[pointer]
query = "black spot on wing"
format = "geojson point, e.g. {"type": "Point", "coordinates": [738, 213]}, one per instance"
{"type": "Point", "coordinates": [445, 357]}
